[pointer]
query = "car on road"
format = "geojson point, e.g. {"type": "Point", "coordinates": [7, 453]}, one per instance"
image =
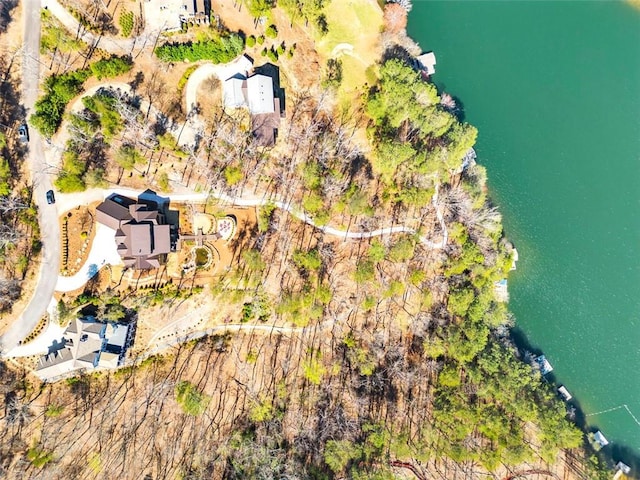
{"type": "Point", "coordinates": [23, 133]}
{"type": "Point", "coordinates": [51, 197]}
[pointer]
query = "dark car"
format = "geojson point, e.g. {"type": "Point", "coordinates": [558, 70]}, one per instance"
{"type": "Point", "coordinates": [51, 197]}
{"type": "Point", "coordinates": [23, 133]}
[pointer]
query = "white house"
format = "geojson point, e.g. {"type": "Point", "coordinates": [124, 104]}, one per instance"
{"type": "Point", "coordinates": [254, 93]}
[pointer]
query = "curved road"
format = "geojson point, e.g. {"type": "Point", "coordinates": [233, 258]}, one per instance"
{"type": "Point", "coordinates": [47, 214]}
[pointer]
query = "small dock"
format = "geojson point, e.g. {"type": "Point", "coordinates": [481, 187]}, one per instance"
{"type": "Point", "coordinates": [622, 469]}
{"type": "Point", "coordinates": [427, 63]}
{"type": "Point", "coordinates": [501, 290]}
{"type": "Point", "coordinates": [515, 258]}
{"type": "Point", "coordinates": [564, 393]}
{"type": "Point", "coordinates": [600, 439]}
{"type": "Point", "coordinates": [543, 364]}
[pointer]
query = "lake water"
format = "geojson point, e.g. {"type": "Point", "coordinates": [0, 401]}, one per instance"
{"type": "Point", "coordinates": [554, 89]}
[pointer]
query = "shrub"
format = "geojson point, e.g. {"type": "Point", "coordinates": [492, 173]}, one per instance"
{"type": "Point", "coordinates": [220, 50]}
{"type": "Point", "coordinates": [264, 52]}
{"type": "Point", "coordinates": [307, 260]}
{"type": "Point", "coordinates": [233, 175]}
{"type": "Point", "coordinates": [128, 157]}
{"type": "Point", "coordinates": [190, 399]}
{"type": "Point", "coordinates": [313, 370]}
{"type": "Point", "coordinates": [271, 32]}
{"type": "Point", "coordinates": [127, 21]}
{"type": "Point", "coordinates": [251, 41]}
{"type": "Point", "coordinates": [5, 177]}
{"type": "Point", "coordinates": [281, 48]}
{"type": "Point", "coordinates": [69, 183]}
{"type": "Point", "coordinates": [272, 54]}
{"type": "Point", "coordinates": [333, 75]}
{"type": "Point", "coordinates": [260, 39]}
{"type": "Point", "coordinates": [54, 410]}
{"type": "Point", "coordinates": [59, 90]}
{"type": "Point", "coordinates": [39, 457]}
{"type": "Point", "coordinates": [264, 216]}
{"type": "Point", "coordinates": [111, 67]}
{"type": "Point", "coordinates": [163, 182]}
{"type": "Point", "coordinates": [185, 76]}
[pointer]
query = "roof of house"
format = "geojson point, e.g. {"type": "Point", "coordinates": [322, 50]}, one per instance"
{"type": "Point", "coordinates": [85, 341]}
{"type": "Point", "coordinates": [601, 439]}
{"type": "Point", "coordinates": [109, 360]}
{"type": "Point", "coordinates": [623, 467]}
{"type": "Point", "coordinates": [428, 61]}
{"type": "Point", "coordinates": [255, 92]}
{"type": "Point", "coordinates": [234, 91]}
{"type": "Point", "coordinates": [114, 210]}
{"type": "Point", "coordinates": [140, 239]}
{"type": "Point", "coordinates": [265, 126]}
{"type": "Point", "coordinates": [260, 94]}
{"type": "Point", "coordinates": [116, 334]}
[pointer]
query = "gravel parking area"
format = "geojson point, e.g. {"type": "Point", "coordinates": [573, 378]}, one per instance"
{"type": "Point", "coordinates": [162, 14]}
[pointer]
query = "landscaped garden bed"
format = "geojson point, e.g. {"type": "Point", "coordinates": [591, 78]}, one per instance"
{"type": "Point", "coordinates": [77, 231]}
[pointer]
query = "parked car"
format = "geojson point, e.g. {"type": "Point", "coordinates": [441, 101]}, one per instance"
{"type": "Point", "coordinates": [51, 197]}
{"type": "Point", "coordinates": [23, 133]}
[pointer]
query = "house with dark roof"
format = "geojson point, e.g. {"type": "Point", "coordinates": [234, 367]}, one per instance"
{"type": "Point", "coordinates": [143, 239]}
{"type": "Point", "coordinates": [87, 344]}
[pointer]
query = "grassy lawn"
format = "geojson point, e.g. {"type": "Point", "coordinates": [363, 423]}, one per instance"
{"type": "Point", "coordinates": [356, 22]}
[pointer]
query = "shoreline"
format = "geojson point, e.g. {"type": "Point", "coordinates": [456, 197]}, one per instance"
{"type": "Point", "coordinates": [617, 446]}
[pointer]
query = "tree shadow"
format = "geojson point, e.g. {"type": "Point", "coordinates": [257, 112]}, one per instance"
{"type": "Point", "coordinates": [6, 7]}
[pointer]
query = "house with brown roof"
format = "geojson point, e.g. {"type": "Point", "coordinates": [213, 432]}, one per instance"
{"type": "Point", "coordinates": [86, 344]}
{"type": "Point", "coordinates": [142, 237]}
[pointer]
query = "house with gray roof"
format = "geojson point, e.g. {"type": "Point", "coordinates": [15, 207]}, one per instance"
{"type": "Point", "coordinates": [86, 344]}
{"type": "Point", "coordinates": [142, 237]}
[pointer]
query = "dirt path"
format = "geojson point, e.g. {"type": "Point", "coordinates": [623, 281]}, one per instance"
{"type": "Point", "coordinates": [102, 257]}
{"type": "Point", "coordinates": [120, 46]}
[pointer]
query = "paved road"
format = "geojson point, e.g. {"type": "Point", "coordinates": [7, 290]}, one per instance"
{"type": "Point", "coordinates": [47, 215]}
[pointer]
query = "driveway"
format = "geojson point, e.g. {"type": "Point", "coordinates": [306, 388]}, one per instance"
{"type": "Point", "coordinates": [103, 252]}
{"type": "Point", "coordinates": [103, 248]}
{"type": "Point", "coordinates": [164, 14]}
{"type": "Point", "coordinates": [40, 345]}
{"type": "Point", "coordinates": [223, 71]}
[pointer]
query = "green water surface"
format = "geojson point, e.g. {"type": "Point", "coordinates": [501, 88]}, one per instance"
{"type": "Point", "coordinates": [554, 89]}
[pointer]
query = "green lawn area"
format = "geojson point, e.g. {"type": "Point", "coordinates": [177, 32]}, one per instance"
{"type": "Point", "coordinates": [356, 22]}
